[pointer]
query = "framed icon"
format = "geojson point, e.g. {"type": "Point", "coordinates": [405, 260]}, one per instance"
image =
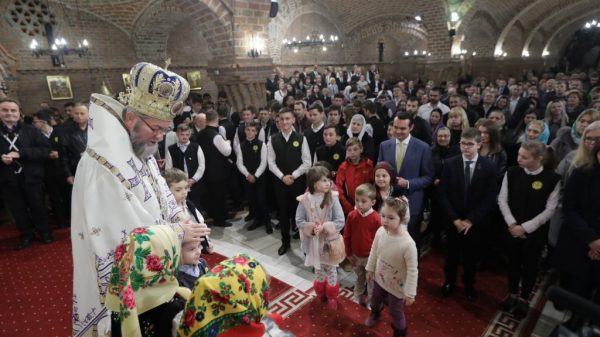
{"type": "Point", "coordinates": [59, 87]}
{"type": "Point", "coordinates": [194, 79]}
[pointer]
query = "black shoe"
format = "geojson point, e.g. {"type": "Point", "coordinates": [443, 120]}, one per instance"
{"type": "Point", "coordinates": [248, 217]}
{"type": "Point", "coordinates": [254, 226]}
{"type": "Point", "coordinates": [47, 238]}
{"type": "Point", "coordinates": [509, 303]}
{"type": "Point", "coordinates": [24, 243]}
{"type": "Point", "coordinates": [296, 235]}
{"type": "Point", "coordinates": [283, 249]}
{"type": "Point", "coordinates": [472, 294]}
{"type": "Point", "coordinates": [269, 228]}
{"type": "Point", "coordinates": [521, 310]}
{"type": "Point", "coordinates": [447, 289]}
{"type": "Point", "coordinates": [223, 224]}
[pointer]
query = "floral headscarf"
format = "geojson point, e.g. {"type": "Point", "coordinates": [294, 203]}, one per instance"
{"type": "Point", "coordinates": [235, 292]}
{"type": "Point", "coordinates": [144, 275]}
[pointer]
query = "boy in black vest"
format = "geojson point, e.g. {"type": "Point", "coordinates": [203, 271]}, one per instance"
{"type": "Point", "coordinates": [289, 159]}
{"type": "Point", "coordinates": [314, 134]}
{"type": "Point", "coordinates": [188, 157]}
{"type": "Point", "coordinates": [332, 151]}
{"type": "Point", "coordinates": [252, 163]}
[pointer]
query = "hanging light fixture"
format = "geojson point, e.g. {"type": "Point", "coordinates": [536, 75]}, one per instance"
{"type": "Point", "coordinates": [58, 47]}
{"type": "Point", "coordinates": [313, 40]}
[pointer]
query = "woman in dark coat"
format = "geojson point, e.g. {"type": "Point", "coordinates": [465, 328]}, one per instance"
{"type": "Point", "coordinates": [578, 247]}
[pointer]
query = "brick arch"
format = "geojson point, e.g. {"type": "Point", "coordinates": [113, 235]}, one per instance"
{"type": "Point", "coordinates": [154, 24]}
{"type": "Point", "coordinates": [580, 9]}
{"type": "Point", "coordinates": [570, 26]}
{"type": "Point", "coordinates": [532, 13]}
{"type": "Point", "coordinates": [383, 24]}
{"type": "Point", "coordinates": [92, 11]}
{"type": "Point", "coordinates": [289, 11]}
{"type": "Point", "coordinates": [486, 28]}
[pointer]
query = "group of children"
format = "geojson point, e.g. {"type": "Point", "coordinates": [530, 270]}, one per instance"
{"type": "Point", "coordinates": [376, 244]}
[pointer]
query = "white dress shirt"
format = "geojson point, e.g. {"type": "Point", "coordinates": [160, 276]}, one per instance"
{"type": "Point", "coordinates": [261, 167]}
{"type": "Point", "coordinates": [531, 225]}
{"type": "Point", "coordinates": [302, 169]}
{"type": "Point", "coordinates": [201, 162]}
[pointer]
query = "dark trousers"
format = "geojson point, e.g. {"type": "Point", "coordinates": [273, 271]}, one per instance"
{"type": "Point", "coordinates": [524, 257]}
{"type": "Point", "coordinates": [26, 204]}
{"type": "Point", "coordinates": [465, 248]}
{"type": "Point", "coordinates": [256, 194]}
{"type": "Point", "coordinates": [287, 204]}
{"type": "Point", "coordinates": [55, 190]}
{"type": "Point", "coordinates": [215, 199]}
{"type": "Point", "coordinates": [395, 304]}
{"type": "Point", "coordinates": [414, 228]}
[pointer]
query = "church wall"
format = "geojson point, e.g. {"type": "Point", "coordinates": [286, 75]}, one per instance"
{"type": "Point", "coordinates": [111, 54]}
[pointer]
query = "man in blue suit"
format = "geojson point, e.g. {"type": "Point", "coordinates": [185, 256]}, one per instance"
{"type": "Point", "coordinates": [411, 160]}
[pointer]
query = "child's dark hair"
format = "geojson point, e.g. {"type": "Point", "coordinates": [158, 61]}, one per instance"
{"type": "Point", "coordinates": [251, 124]}
{"type": "Point", "coordinates": [399, 205]}
{"type": "Point", "coordinates": [333, 127]}
{"type": "Point", "coordinates": [174, 175]}
{"type": "Point", "coordinates": [312, 176]}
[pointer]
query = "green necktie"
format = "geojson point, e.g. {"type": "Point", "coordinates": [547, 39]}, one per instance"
{"type": "Point", "coordinates": [399, 156]}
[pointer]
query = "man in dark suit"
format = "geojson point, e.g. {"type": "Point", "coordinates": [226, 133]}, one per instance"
{"type": "Point", "coordinates": [24, 150]}
{"type": "Point", "coordinates": [411, 160]}
{"type": "Point", "coordinates": [467, 197]}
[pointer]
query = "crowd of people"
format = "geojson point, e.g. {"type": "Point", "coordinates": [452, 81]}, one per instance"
{"type": "Point", "coordinates": [353, 166]}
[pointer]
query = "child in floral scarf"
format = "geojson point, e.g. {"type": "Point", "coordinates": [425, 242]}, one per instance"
{"type": "Point", "coordinates": [231, 300]}
{"type": "Point", "coordinates": [143, 293]}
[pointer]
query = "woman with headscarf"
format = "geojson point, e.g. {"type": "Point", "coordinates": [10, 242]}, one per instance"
{"type": "Point", "coordinates": [569, 137]}
{"type": "Point", "coordinates": [358, 128]}
{"type": "Point", "coordinates": [144, 295]}
{"type": "Point", "coordinates": [232, 300]}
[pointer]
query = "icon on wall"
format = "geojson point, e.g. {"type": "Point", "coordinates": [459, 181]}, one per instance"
{"type": "Point", "coordinates": [59, 87]}
{"type": "Point", "coordinates": [194, 79]}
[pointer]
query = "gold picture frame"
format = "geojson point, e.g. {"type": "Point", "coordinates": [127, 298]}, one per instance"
{"type": "Point", "coordinates": [59, 87]}
{"type": "Point", "coordinates": [194, 78]}
{"type": "Point", "coordinates": [126, 80]}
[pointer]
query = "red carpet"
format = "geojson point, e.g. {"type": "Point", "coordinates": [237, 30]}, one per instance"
{"type": "Point", "coordinates": [37, 285]}
{"type": "Point", "coordinates": [432, 314]}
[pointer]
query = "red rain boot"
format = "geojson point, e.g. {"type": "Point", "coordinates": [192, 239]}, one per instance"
{"type": "Point", "coordinates": [332, 294]}
{"type": "Point", "coordinates": [320, 290]}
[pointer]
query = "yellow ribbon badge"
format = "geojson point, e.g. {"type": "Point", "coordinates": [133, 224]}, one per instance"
{"type": "Point", "coordinates": [537, 185]}
{"type": "Point", "coordinates": [296, 143]}
{"type": "Point", "coordinates": [255, 148]}
{"type": "Point", "coordinates": [336, 156]}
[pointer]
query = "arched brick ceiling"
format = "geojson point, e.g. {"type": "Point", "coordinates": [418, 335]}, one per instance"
{"type": "Point", "coordinates": [534, 21]}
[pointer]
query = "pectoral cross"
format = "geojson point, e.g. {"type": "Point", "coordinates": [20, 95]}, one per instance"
{"type": "Point", "coordinates": [138, 179]}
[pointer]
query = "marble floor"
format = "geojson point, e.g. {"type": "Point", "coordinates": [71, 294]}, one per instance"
{"type": "Point", "coordinates": [290, 268]}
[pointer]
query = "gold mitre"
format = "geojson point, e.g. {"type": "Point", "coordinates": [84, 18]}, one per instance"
{"type": "Point", "coordinates": [157, 92]}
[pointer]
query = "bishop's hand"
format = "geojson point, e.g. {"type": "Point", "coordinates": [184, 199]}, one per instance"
{"type": "Point", "coordinates": [194, 231]}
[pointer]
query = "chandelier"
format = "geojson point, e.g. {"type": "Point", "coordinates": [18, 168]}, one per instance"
{"type": "Point", "coordinates": [59, 47]}
{"type": "Point", "coordinates": [314, 40]}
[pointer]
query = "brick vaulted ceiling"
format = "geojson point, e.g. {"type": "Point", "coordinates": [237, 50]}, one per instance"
{"type": "Point", "coordinates": [485, 26]}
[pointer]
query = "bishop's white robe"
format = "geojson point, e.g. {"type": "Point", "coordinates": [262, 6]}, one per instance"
{"type": "Point", "coordinates": [114, 192]}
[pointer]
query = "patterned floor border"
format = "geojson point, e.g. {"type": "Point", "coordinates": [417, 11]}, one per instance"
{"type": "Point", "coordinates": [503, 324]}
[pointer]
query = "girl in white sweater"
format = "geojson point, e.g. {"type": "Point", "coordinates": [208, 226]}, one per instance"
{"type": "Point", "coordinates": [393, 265]}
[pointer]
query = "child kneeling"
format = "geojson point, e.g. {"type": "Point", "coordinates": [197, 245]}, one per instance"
{"type": "Point", "coordinates": [320, 219]}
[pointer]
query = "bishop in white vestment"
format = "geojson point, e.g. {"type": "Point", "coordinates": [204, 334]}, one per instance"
{"type": "Point", "coordinates": [118, 186]}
